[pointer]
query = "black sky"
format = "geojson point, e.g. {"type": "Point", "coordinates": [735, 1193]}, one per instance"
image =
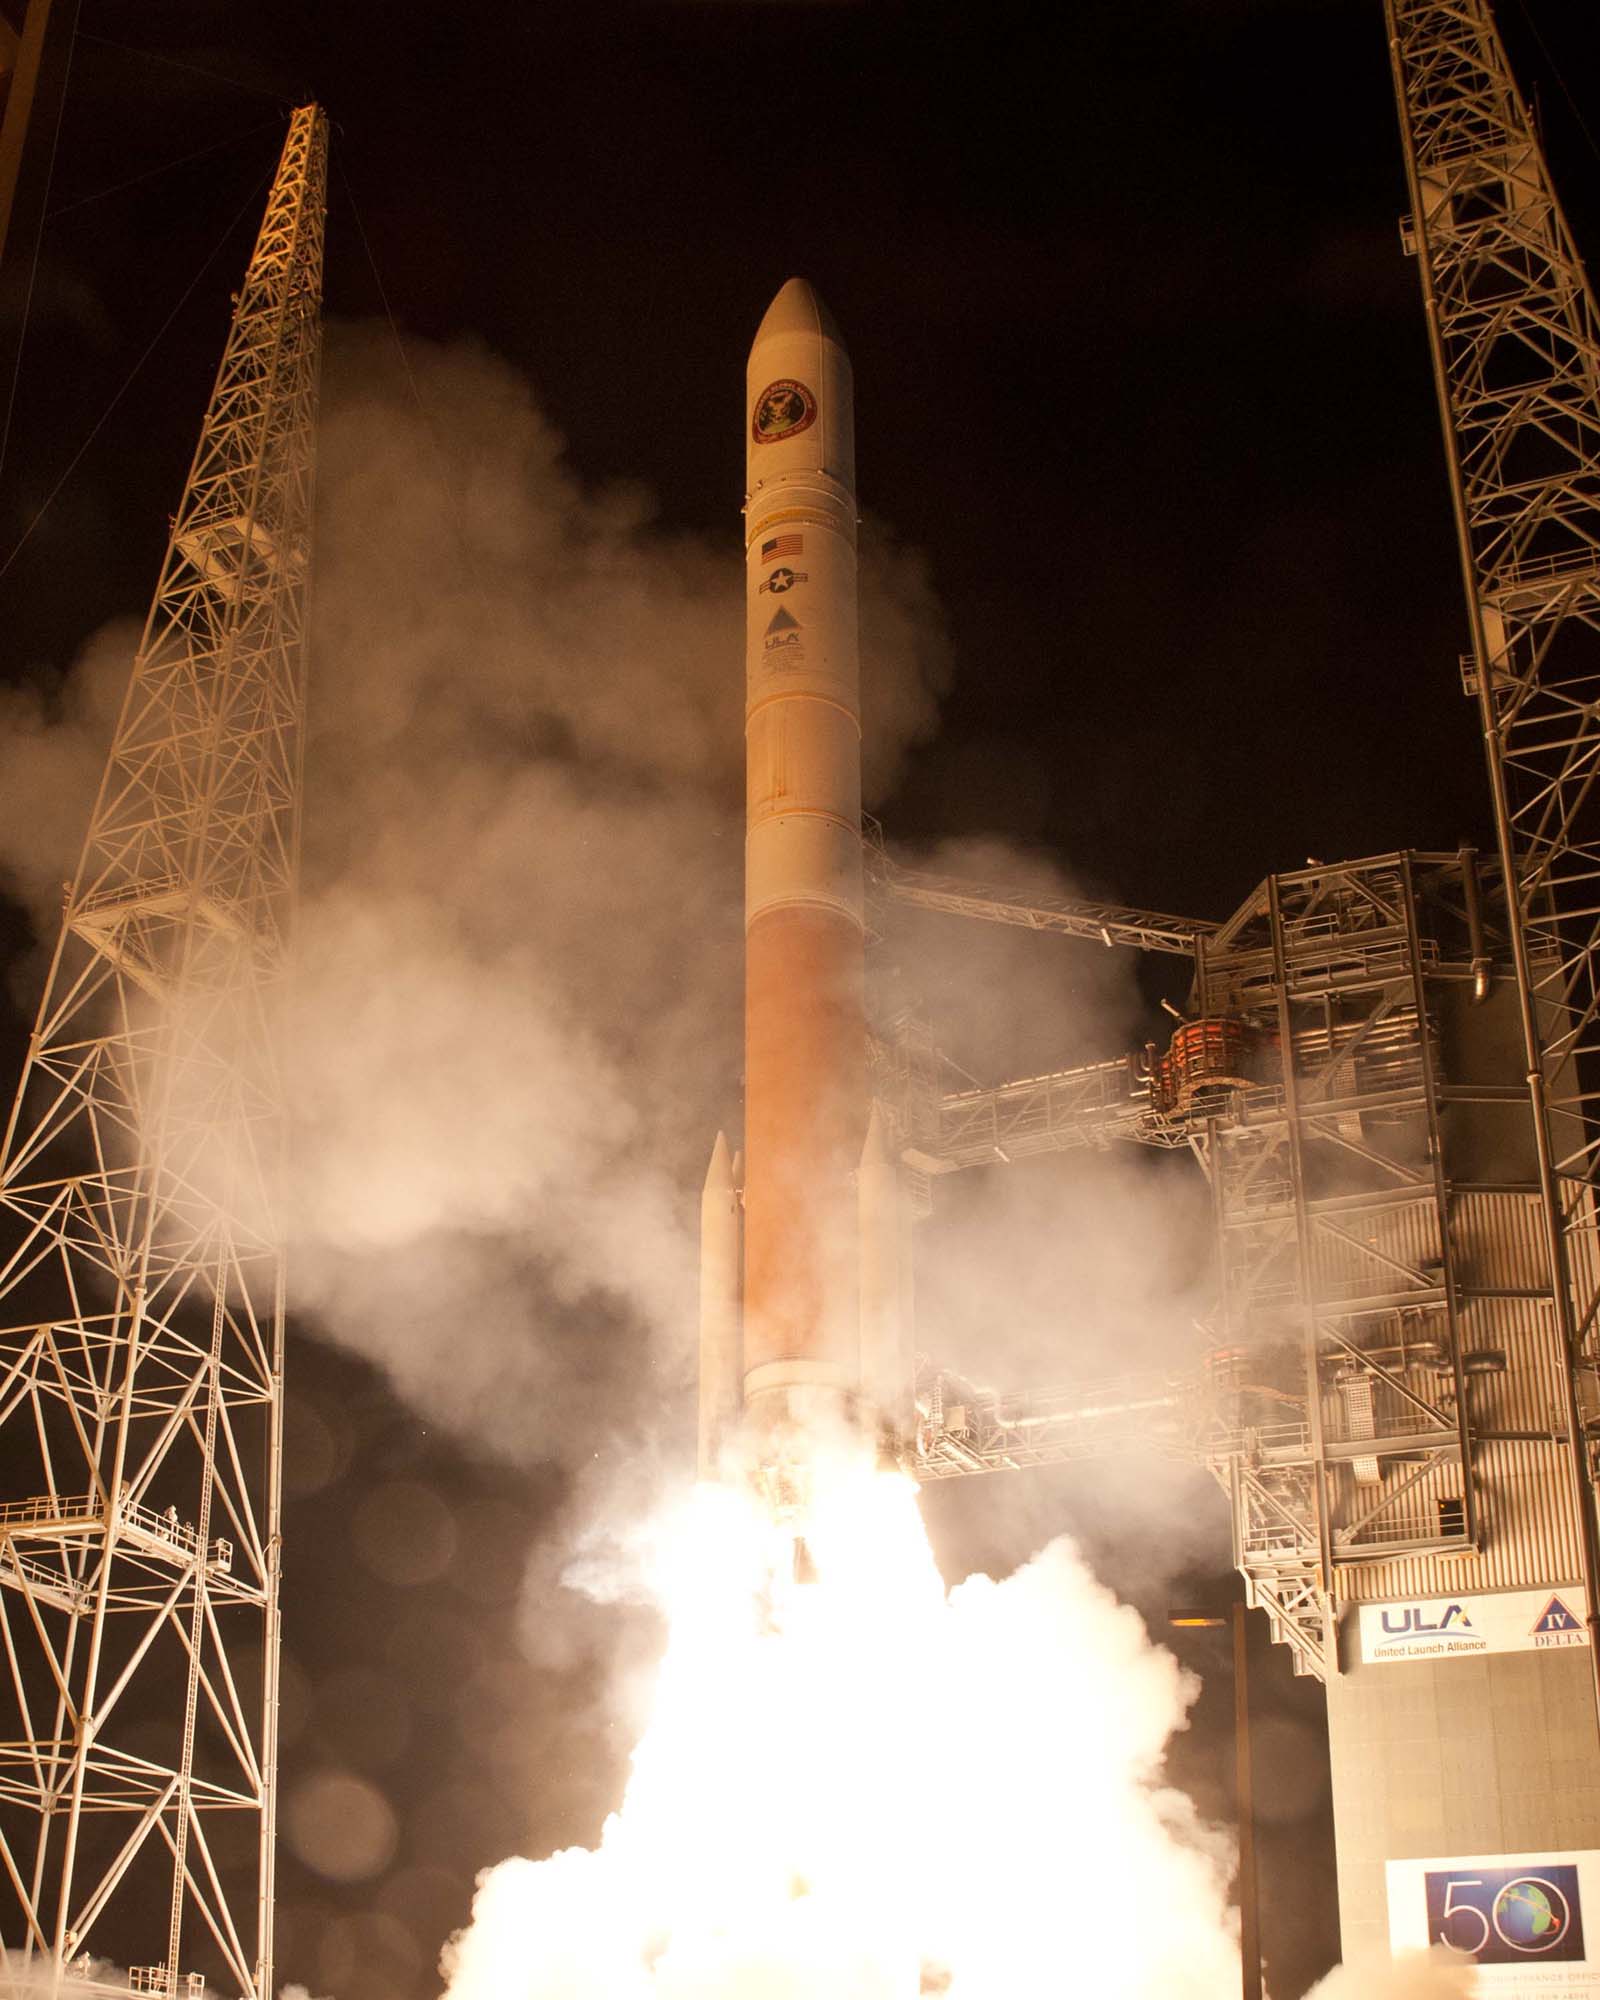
{"type": "Point", "coordinates": [1139, 366]}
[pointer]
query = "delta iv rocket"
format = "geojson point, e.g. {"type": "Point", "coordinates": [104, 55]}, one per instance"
{"type": "Point", "coordinates": [804, 1272]}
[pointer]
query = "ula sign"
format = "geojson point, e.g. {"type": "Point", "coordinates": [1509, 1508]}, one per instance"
{"type": "Point", "coordinates": [1500, 1621]}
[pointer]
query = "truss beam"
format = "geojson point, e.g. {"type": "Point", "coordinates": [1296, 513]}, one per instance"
{"type": "Point", "coordinates": [1515, 340]}
{"type": "Point", "coordinates": [141, 1279]}
{"type": "Point", "coordinates": [1066, 916]}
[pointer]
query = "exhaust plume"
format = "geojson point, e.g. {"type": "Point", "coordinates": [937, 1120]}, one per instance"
{"type": "Point", "coordinates": [859, 1784]}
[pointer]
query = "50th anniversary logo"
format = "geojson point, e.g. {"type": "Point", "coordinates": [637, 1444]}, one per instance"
{"type": "Point", "coordinates": [1518, 1917]}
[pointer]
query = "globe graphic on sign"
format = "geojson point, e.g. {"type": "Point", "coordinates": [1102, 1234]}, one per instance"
{"type": "Point", "coordinates": [1530, 1914]}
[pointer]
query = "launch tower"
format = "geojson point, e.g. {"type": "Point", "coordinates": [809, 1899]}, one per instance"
{"type": "Point", "coordinates": [142, 1288]}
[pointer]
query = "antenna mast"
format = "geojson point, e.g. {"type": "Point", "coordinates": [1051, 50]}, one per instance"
{"type": "Point", "coordinates": [142, 1287]}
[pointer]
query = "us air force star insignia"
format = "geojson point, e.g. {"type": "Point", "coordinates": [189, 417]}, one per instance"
{"type": "Point", "coordinates": [782, 580]}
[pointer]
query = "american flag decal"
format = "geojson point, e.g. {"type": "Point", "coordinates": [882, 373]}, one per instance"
{"type": "Point", "coordinates": [782, 547]}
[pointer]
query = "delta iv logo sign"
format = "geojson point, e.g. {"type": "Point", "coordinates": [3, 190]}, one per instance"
{"type": "Point", "coordinates": [1491, 1621]}
{"type": "Point", "coordinates": [1507, 1916]}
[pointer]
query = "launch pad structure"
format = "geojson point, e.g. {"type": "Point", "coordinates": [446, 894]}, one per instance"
{"type": "Point", "coordinates": [1384, 1404]}
{"type": "Point", "coordinates": [1388, 1073]}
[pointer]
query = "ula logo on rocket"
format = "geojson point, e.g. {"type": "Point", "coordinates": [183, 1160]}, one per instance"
{"type": "Point", "coordinates": [783, 629]}
{"type": "Point", "coordinates": [783, 410]}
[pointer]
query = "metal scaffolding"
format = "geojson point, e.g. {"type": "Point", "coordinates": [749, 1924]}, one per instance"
{"type": "Point", "coordinates": [1385, 1343]}
{"type": "Point", "coordinates": [1067, 916]}
{"type": "Point", "coordinates": [1515, 340]}
{"type": "Point", "coordinates": [142, 1292]}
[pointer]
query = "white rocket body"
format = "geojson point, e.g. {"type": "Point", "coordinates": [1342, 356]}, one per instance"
{"type": "Point", "coordinates": [821, 1323]}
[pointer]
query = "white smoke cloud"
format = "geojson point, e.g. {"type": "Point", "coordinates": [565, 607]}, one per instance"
{"type": "Point", "coordinates": [54, 733]}
{"type": "Point", "coordinates": [1439, 1974]}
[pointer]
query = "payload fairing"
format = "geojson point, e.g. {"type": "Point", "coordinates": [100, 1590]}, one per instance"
{"type": "Point", "coordinates": [803, 1306]}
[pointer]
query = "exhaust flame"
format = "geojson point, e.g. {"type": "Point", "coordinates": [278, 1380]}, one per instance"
{"type": "Point", "coordinates": [858, 1785]}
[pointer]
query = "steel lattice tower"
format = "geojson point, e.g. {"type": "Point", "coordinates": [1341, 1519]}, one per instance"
{"type": "Point", "coordinates": [1516, 350]}
{"type": "Point", "coordinates": [142, 1292]}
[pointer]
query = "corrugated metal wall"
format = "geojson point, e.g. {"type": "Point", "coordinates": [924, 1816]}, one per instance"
{"type": "Point", "coordinates": [1525, 1511]}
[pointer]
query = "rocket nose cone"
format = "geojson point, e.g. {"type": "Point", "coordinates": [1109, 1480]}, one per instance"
{"type": "Point", "coordinates": [797, 309]}
{"type": "Point", "coordinates": [719, 1174]}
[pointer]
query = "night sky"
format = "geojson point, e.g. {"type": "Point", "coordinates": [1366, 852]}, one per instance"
{"type": "Point", "coordinates": [1140, 368]}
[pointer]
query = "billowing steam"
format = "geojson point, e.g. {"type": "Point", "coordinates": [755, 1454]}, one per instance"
{"type": "Point", "coordinates": [1440, 1974]}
